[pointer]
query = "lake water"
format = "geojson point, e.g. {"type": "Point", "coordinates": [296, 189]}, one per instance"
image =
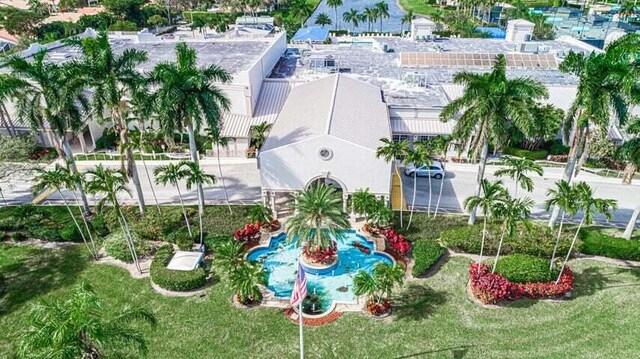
{"type": "Point", "coordinates": [391, 24]}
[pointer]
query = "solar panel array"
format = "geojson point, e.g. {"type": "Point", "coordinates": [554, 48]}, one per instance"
{"type": "Point", "coordinates": [439, 59]}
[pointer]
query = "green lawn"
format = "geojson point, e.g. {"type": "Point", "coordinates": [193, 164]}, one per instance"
{"type": "Point", "coordinates": [419, 7]}
{"type": "Point", "coordinates": [434, 318]}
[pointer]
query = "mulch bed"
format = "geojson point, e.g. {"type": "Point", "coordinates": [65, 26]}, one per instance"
{"type": "Point", "coordinates": [312, 322]}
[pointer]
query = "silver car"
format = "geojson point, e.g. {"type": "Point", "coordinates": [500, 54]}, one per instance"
{"type": "Point", "coordinates": [434, 170]}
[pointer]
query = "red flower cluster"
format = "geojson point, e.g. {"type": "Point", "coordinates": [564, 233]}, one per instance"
{"type": "Point", "coordinates": [491, 288]}
{"type": "Point", "coordinates": [378, 309]}
{"type": "Point", "coordinates": [318, 254]}
{"type": "Point", "coordinates": [558, 158]}
{"type": "Point", "coordinates": [396, 241]}
{"type": "Point", "coordinates": [272, 226]}
{"type": "Point", "coordinates": [250, 232]}
{"type": "Point", "coordinates": [43, 154]}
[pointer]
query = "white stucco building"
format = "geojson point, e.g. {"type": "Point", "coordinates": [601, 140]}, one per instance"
{"type": "Point", "coordinates": [328, 130]}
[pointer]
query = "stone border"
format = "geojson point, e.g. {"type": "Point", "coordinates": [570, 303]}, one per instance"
{"type": "Point", "coordinates": [326, 318]}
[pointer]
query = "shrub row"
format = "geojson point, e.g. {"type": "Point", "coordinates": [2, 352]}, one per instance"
{"type": "Point", "coordinates": [116, 246]}
{"type": "Point", "coordinates": [180, 281]}
{"type": "Point", "coordinates": [425, 254]}
{"type": "Point", "coordinates": [523, 268]}
{"type": "Point", "coordinates": [595, 242]}
{"type": "Point", "coordinates": [532, 155]}
{"type": "Point", "coordinates": [538, 240]}
{"type": "Point", "coordinates": [491, 288]}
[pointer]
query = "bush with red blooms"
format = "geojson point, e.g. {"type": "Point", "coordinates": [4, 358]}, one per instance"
{"type": "Point", "coordinates": [43, 154]}
{"type": "Point", "coordinates": [378, 309]}
{"type": "Point", "coordinates": [250, 232]}
{"type": "Point", "coordinates": [491, 288]}
{"type": "Point", "coordinates": [317, 254]}
{"type": "Point", "coordinates": [397, 242]}
{"type": "Point", "coordinates": [558, 158]}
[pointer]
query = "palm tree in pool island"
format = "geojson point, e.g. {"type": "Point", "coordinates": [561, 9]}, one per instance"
{"type": "Point", "coordinates": [392, 151]}
{"type": "Point", "coordinates": [187, 96]}
{"type": "Point", "coordinates": [335, 4]}
{"type": "Point", "coordinates": [317, 223]}
{"type": "Point", "coordinates": [488, 103]}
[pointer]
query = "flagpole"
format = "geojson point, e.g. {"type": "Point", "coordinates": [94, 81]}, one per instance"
{"type": "Point", "coordinates": [301, 339]}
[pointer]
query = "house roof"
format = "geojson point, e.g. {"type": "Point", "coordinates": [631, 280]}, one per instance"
{"type": "Point", "coordinates": [337, 106]}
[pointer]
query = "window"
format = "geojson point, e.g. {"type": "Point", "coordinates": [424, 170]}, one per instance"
{"type": "Point", "coordinates": [422, 138]}
{"type": "Point", "coordinates": [398, 138]}
{"type": "Point", "coordinates": [325, 154]}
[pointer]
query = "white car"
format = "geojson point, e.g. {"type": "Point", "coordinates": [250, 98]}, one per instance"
{"type": "Point", "coordinates": [434, 170]}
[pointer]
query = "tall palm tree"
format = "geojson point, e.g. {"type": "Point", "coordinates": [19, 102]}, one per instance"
{"type": "Point", "coordinates": [630, 151]}
{"type": "Point", "coordinates": [57, 179]}
{"type": "Point", "coordinates": [259, 134]}
{"type": "Point", "coordinates": [111, 182]}
{"type": "Point", "coordinates": [71, 183]}
{"type": "Point", "coordinates": [80, 327]}
{"type": "Point", "coordinates": [111, 77]}
{"type": "Point", "coordinates": [628, 231]}
{"type": "Point", "coordinates": [406, 19]}
{"type": "Point", "coordinates": [513, 211]}
{"type": "Point", "coordinates": [517, 169]}
{"type": "Point", "coordinates": [351, 16]}
{"type": "Point", "coordinates": [440, 145]}
{"type": "Point", "coordinates": [187, 97]}
{"type": "Point", "coordinates": [605, 82]}
{"type": "Point", "coordinates": [419, 156]}
{"type": "Point", "coordinates": [383, 11]}
{"type": "Point", "coordinates": [335, 4]}
{"type": "Point", "coordinates": [492, 195]}
{"type": "Point", "coordinates": [589, 206]}
{"type": "Point", "coordinates": [565, 197]}
{"type": "Point", "coordinates": [318, 218]}
{"type": "Point", "coordinates": [220, 142]}
{"type": "Point", "coordinates": [488, 102]}
{"type": "Point", "coordinates": [10, 86]}
{"type": "Point", "coordinates": [322, 19]}
{"type": "Point", "coordinates": [370, 15]}
{"type": "Point", "coordinates": [172, 173]}
{"type": "Point", "coordinates": [46, 92]}
{"type": "Point", "coordinates": [196, 176]}
{"type": "Point", "coordinates": [391, 152]}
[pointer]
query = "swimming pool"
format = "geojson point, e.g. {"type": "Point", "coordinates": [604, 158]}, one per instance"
{"type": "Point", "coordinates": [280, 260]}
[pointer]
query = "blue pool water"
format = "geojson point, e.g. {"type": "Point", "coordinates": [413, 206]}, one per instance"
{"type": "Point", "coordinates": [281, 257]}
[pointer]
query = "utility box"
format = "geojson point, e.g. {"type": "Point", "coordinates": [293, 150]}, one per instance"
{"type": "Point", "coordinates": [422, 28]}
{"type": "Point", "coordinates": [519, 30]}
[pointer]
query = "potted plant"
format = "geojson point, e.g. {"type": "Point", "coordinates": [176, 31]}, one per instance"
{"type": "Point", "coordinates": [378, 287]}
{"type": "Point", "coordinates": [245, 280]}
{"type": "Point", "coordinates": [249, 234]}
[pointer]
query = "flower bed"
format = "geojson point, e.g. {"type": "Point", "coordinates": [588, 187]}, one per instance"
{"type": "Point", "coordinates": [491, 288]}
{"type": "Point", "coordinates": [379, 309]}
{"type": "Point", "coordinates": [396, 242]}
{"type": "Point", "coordinates": [316, 254]}
{"type": "Point", "coordinates": [250, 233]}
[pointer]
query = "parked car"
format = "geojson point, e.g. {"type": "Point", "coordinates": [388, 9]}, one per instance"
{"type": "Point", "coordinates": [434, 170]}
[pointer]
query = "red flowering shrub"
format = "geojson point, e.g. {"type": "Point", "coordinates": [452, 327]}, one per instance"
{"type": "Point", "coordinates": [250, 232]}
{"type": "Point", "coordinates": [396, 241]}
{"type": "Point", "coordinates": [558, 158]}
{"type": "Point", "coordinates": [491, 288]}
{"type": "Point", "coordinates": [43, 154]}
{"type": "Point", "coordinates": [317, 254]}
{"type": "Point", "coordinates": [378, 309]}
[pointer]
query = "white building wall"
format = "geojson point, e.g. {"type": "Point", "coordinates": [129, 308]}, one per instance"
{"type": "Point", "coordinates": [290, 168]}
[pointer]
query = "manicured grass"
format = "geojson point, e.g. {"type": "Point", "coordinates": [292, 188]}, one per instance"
{"type": "Point", "coordinates": [433, 319]}
{"type": "Point", "coordinates": [419, 7]}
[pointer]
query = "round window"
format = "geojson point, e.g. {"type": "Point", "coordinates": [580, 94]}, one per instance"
{"type": "Point", "coordinates": [325, 154]}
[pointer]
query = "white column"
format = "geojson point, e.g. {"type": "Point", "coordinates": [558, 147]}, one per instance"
{"type": "Point", "coordinates": [345, 198]}
{"type": "Point", "coordinates": [273, 205]}
{"type": "Point", "coordinates": [264, 197]}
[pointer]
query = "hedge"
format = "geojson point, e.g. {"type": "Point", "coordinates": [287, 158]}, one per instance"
{"type": "Point", "coordinates": [532, 155]}
{"type": "Point", "coordinates": [176, 280]}
{"type": "Point", "coordinates": [523, 268]}
{"type": "Point", "coordinates": [425, 254]}
{"type": "Point", "coordinates": [595, 242]}
{"type": "Point", "coordinates": [538, 240]}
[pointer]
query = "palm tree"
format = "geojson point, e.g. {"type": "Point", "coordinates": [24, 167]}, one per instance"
{"type": "Point", "coordinates": [259, 134]}
{"type": "Point", "coordinates": [187, 97]}
{"type": "Point", "coordinates": [46, 92]}
{"type": "Point", "coordinates": [322, 19]}
{"type": "Point", "coordinates": [378, 285]}
{"type": "Point", "coordinates": [196, 176]}
{"type": "Point", "coordinates": [353, 17]}
{"type": "Point", "coordinates": [440, 145]}
{"type": "Point", "coordinates": [419, 156]}
{"type": "Point", "coordinates": [259, 213]}
{"type": "Point", "coordinates": [380, 215]}
{"type": "Point", "coordinates": [517, 169]}
{"type": "Point", "coordinates": [513, 212]}
{"type": "Point", "coordinates": [335, 4]}
{"type": "Point", "coordinates": [172, 173]}
{"type": "Point", "coordinates": [245, 280]}
{"type": "Point", "coordinates": [111, 78]}
{"type": "Point", "coordinates": [383, 11]}
{"type": "Point", "coordinates": [301, 10]}
{"type": "Point", "coordinates": [627, 9]}
{"type": "Point", "coordinates": [220, 141]}
{"type": "Point", "coordinates": [57, 179]}
{"type": "Point", "coordinates": [632, 223]}
{"type": "Point", "coordinates": [229, 255]}
{"type": "Point", "coordinates": [488, 102]}
{"type": "Point", "coordinates": [80, 327]}
{"type": "Point", "coordinates": [589, 206]}
{"type": "Point", "coordinates": [363, 202]}
{"type": "Point", "coordinates": [492, 195]}
{"type": "Point", "coordinates": [318, 218]}
{"type": "Point", "coordinates": [391, 152]}
{"type": "Point", "coordinates": [406, 19]}
{"type": "Point", "coordinates": [605, 82]}
{"type": "Point", "coordinates": [111, 182]}
{"type": "Point", "coordinates": [565, 197]}
{"type": "Point", "coordinates": [630, 151]}
{"type": "Point", "coordinates": [370, 15]}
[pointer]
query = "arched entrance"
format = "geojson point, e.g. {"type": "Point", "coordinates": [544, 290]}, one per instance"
{"type": "Point", "coordinates": [327, 180]}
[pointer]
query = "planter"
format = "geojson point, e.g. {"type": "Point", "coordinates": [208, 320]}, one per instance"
{"type": "Point", "coordinates": [379, 310]}
{"type": "Point", "coordinates": [318, 268]}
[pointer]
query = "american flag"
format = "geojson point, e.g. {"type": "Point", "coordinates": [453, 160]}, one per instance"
{"type": "Point", "coordinates": [299, 288]}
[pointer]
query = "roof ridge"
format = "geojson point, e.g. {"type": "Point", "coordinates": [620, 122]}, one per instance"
{"type": "Point", "coordinates": [332, 104]}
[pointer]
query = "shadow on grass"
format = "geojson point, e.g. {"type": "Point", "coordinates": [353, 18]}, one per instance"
{"type": "Point", "coordinates": [38, 273]}
{"type": "Point", "coordinates": [456, 352]}
{"type": "Point", "coordinates": [417, 302]}
{"type": "Point", "coordinates": [590, 281]}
